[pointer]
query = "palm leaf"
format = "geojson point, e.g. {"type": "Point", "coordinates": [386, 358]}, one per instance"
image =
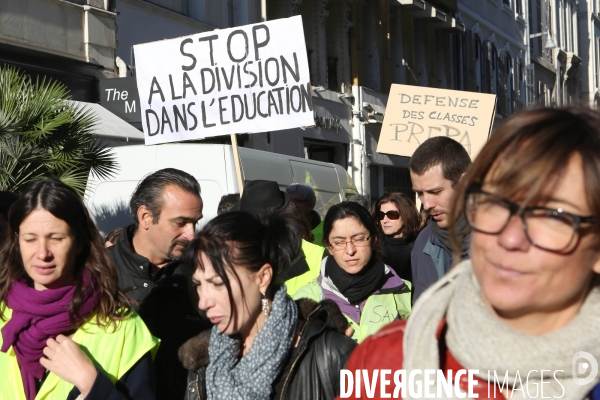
{"type": "Point", "coordinates": [75, 178]}
{"type": "Point", "coordinates": [43, 134]}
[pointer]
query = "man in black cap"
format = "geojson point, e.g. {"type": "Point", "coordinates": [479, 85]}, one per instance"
{"type": "Point", "coordinates": [261, 197]}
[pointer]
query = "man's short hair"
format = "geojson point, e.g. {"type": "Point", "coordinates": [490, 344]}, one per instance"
{"type": "Point", "coordinates": [227, 201]}
{"type": "Point", "coordinates": [360, 199]}
{"type": "Point", "coordinates": [443, 151]}
{"type": "Point", "coordinates": [301, 193]}
{"type": "Point", "coordinates": [149, 191]}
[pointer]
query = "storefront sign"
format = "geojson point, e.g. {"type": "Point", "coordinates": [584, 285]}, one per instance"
{"type": "Point", "coordinates": [120, 96]}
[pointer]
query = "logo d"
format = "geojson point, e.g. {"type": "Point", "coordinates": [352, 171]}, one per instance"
{"type": "Point", "coordinates": [581, 367]}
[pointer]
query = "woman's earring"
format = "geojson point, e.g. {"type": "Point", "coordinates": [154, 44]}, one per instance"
{"type": "Point", "coordinates": [265, 305]}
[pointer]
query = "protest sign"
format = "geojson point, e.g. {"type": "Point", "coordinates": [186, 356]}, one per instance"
{"type": "Point", "coordinates": [414, 114]}
{"type": "Point", "coordinates": [246, 79]}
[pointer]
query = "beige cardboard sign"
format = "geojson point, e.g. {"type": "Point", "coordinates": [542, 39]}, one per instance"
{"type": "Point", "coordinates": [414, 114]}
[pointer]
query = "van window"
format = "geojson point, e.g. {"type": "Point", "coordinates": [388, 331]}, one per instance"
{"type": "Point", "coordinates": [268, 166]}
{"type": "Point", "coordinates": [323, 180]}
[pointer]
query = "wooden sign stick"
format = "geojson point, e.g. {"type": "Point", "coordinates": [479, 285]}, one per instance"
{"type": "Point", "coordinates": [238, 165]}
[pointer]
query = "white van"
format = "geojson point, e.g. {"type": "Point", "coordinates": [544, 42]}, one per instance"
{"type": "Point", "coordinates": [213, 166]}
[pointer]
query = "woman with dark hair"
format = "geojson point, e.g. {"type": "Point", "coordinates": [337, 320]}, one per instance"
{"type": "Point", "coordinates": [67, 331]}
{"type": "Point", "coordinates": [397, 218]}
{"type": "Point", "coordinates": [369, 293]}
{"type": "Point", "coordinates": [263, 345]}
{"type": "Point", "coordinates": [525, 306]}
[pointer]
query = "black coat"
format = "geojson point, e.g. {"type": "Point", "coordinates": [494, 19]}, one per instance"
{"type": "Point", "coordinates": [312, 370]}
{"type": "Point", "coordinates": [397, 256]}
{"type": "Point", "coordinates": [165, 305]}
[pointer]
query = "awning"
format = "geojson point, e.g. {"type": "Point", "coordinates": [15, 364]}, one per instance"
{"type": "Point", "coordinates": [110, 126]}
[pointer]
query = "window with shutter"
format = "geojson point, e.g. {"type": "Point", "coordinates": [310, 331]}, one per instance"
{"type": "Point", "coordinates": [487, 67]}
{"type": "Point", "coordinates": [480, 64]}
{"type": "Point", "coordinates": [502, 103]}
{"type": "Point", "coordinates": [519, 90]}
{"type": "Point", "coordinates": [532, 95]}
{"type": "Point", "coordinates": [510, 85]}
{"type": "Point", "coordinates": [493, 69]}
{"type": "Point", "coordinates": [470, 62]}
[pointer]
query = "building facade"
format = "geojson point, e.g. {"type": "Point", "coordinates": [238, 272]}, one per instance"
{"type": "Point", "coordinates": [565, 52]}
{"type": "Point", "coordinates": [326, 25]}
{"type": "Point", "coordinates": [524, 51]}
{"type": "Point", "coordinates": [589, 46]}
{"type": "Point", "coordinates": [407, 42]}
{"type": "Point", "coordinates": [71, 41]}
{"type": "Point", "coordinates": [493, 52]}
{"type": "Point", "coordinates": [142, 21]}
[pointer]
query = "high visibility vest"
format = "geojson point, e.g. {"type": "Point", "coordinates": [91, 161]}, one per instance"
{"type": "Point", "coordinates": [313, 255]}
{"type": "Point", "coordinates": [318, 234]}
{"type": "Point", "coordinates": [113, 351]}
{"type": "Point", "coordinates": [379, 310]}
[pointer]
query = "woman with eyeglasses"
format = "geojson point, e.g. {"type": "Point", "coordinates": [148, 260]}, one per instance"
{"type": "Point", "coordinates": [369, 293]}
{"type": "Point", "coordinates": [525, 307]}
{"type": "Point", "coordinates": [396, 215]}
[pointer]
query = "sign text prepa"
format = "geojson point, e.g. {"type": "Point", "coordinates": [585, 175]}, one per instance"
{"type": "Point", "coordinates": [414, 114]}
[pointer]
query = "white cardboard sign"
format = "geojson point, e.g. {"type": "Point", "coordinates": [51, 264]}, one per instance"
{"type": "Point", "coordinates": [247, 79]}
{"type": "Point", "coordinates": [414, 114]}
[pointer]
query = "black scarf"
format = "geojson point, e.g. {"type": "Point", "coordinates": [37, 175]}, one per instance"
{"type": "Point", "coordinates": [356, 287]}
{"type": "Point", "coordinates": [462, 230]}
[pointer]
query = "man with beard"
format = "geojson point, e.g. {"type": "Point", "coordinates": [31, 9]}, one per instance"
{"type": "Point", "coordinates": [435, 169]}
{"type": "Point", "coordinates": [166, 206]}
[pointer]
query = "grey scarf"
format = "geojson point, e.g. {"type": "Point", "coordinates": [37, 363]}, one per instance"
{"type": "Point", "coordinates": [462, 230]}
{"type": "Point", "coordinates": [252, 376]}
{"type": "Point", "coordinates": [480, 340]}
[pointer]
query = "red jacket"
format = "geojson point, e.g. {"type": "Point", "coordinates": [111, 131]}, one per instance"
{"type": "Point", "coordinates": [383, 350]}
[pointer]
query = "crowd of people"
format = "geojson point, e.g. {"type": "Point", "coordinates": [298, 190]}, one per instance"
{"type": "Point", "coordinates": [270, 300]}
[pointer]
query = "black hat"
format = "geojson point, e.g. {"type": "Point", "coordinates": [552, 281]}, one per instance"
{"type": "Point", "coordinates": [261, 196]}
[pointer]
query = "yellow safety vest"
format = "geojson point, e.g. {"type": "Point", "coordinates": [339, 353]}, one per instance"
{"type": "Point", "coordinates": [318, 234]}
{"type": "Point", "coordinates": [114, 352]}
{"type": "Point", "coordinates": [379, 310]}
{"type": "Point", "coordinates": [313, 255]}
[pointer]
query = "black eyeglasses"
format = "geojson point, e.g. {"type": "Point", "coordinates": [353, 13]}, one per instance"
{"type": "Point", "coordinates": [391, 214]}
{"type": "Point", "coordinates": [546, 228]}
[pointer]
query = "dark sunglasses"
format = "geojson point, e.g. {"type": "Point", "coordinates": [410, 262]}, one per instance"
{"type": "Point", "coordinates": [392, 214]}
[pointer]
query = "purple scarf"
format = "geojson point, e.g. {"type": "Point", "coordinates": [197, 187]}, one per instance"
{"type": "Point", "coordinates": [38, 316]}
